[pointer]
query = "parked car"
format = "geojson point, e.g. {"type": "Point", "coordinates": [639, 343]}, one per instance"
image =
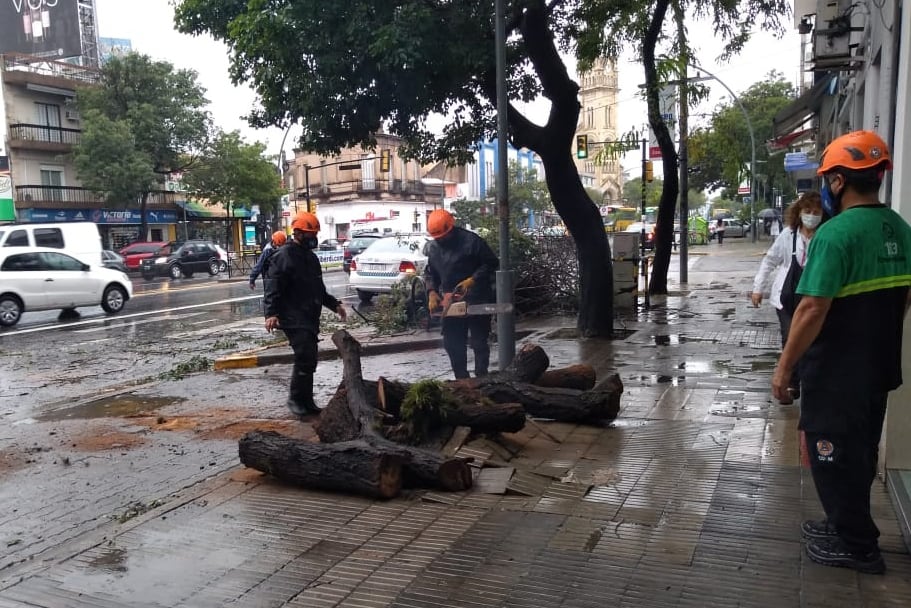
{"type": "Point", "coordinates": [385, 262]}
{"type": "Point", "coordinates": [649, 242]}
{"type": "Point", "coordinates": [330, 245]}
{"type": "Point", "coordinates": [113, 260]}
{"type": "Point", "coordinates": [732, 228]}
{"type": "Point", "coordinates": [80, 239]}
{"type": "Point", "coordinates": [182, 260]}
{"type": "Point", "coordinates": [135, 253]}
{"type": "Point", "coordinates": [223, 258]}
{"type": "Point", "coordinates": [355, 247]}
{"type": "Point", "coordinates": [41, 278]}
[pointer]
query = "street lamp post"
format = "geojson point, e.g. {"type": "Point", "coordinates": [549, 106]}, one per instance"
{"type": "Point", "coordinates": [752, 147]}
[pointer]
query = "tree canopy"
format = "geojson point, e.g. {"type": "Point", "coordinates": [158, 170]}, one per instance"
{"type": "Point", "coordinates": [143, 121]}
{"type": "Point", "coordinates": [231, 171]}
{"type": "Point", "coordinates": [720, 151]}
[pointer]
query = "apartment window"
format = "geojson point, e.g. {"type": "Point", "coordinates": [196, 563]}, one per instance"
{"type": "Point", "coordinates": [607, 117]}
{"type": "Point", "coordinates": [48, 115]}
{"type": "Point", "coordinates": [368, 177]}
{"type": "Point", "coordinates": [591, 117]}
{"type": "Point", "coordinates": [52, 180]}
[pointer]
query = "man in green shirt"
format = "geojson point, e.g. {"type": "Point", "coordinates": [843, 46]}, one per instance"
{"type": "Point", "coordinates": [847, 334]}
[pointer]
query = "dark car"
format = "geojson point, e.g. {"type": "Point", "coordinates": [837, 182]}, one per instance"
{"type": "Point", "coordinates": [112, 259]}
{"type": "Point", "coordinates": [356, 246]}
{"type": "Point", "coordinates": [134, 253]}
{"type": "Point", "coordinates": [182, 260]}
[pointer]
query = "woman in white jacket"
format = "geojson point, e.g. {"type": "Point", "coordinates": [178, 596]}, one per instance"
{"type": "Point", "coordinates": [803, 217]}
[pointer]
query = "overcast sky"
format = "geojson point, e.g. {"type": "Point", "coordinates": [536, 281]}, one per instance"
{"type": "Point", "coordinates": [149, 25]}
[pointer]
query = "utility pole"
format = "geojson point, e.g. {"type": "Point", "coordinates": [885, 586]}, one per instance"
{"type": "Point", "coordinates": [683, 155]}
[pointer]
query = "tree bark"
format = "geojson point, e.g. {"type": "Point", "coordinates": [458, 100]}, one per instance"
{"type": "Point", "coordinates": [665, 223]}
{"type": "Point", "coordinates": [351, 466]}
{"type": "Point", "coordinates": [390, 395]}
{"type": "Point", "coordinates": [561, 404]}
{"type": "Point", "coordinates": [580, 377]}
{"type": "Point", "coordinates": [527, 366]}
{"type": "Point", "coordinates": [488, 418]}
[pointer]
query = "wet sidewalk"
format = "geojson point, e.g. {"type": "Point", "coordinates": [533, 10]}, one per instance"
{"type": "Point", "coordinates": [693, 497]}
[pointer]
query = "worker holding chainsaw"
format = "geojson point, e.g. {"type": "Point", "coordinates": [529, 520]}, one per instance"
{"type": "Point", "coordinates": [459, 273]}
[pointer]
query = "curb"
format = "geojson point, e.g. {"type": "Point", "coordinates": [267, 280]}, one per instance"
{"type": "Point", "coordinates": [249, 360]}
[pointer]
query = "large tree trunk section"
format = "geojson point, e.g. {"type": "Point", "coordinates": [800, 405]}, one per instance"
{"type": "Point", "coordinates": [562, 404]}
{"type": "Point", "coordinates": [390, 394]}
{"type": "Point", "coordinates": [424, 468]}
{"type": "Point", "coordinates": [488, 418]}
{"type": "Point", "coordinates": [527, 366]}
{"type": "Point", "coordinates": [351, 466]}
{"type": "Point", "coordinates": [580, 377]}
{"type": "Point", "coordinates": [335, 422]}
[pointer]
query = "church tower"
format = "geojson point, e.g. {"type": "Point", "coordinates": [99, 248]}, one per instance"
{"type": "Point", "coordinates": [599, 120]}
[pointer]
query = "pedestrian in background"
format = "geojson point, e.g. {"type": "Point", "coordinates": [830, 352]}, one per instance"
{"type": "Point", "coordinates": [801, 220]}
{"type": "Point", "coordinates": [847, 335]}
{"type": "Point", "coordinates": [295, 295]}
{"type": "Point", "coordinates": [262, 264]}
{"type": "Point", "coordinates": [719, 231]}
{"type": "Point", "coordinates": [461, 263]}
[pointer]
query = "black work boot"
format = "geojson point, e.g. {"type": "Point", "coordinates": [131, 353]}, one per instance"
{"type": "Point", "coordinates": [817, 529]}
{"type": "Point", "coordinates": [481, 363]}
{"type": "Point", "coordinates": [834, 552]}
{"type": "Point", "coordinates": [300, 394]}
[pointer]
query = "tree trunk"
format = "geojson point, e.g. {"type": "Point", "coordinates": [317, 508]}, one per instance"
{"type": "Point", "coordinates": [351, 466]}
{"type": "Point", "coordinates": [527, 366]}
{"type": "Point", "coordinates": [488, 418]}
{"type": "Point", "coordinates": [580, 377]}
{"type": "Point", "coordinates": [665, 224]}
{"type": "Point", "coordinates": [390, 394]}
{"type": "Point", "coordinates": [561, 404]}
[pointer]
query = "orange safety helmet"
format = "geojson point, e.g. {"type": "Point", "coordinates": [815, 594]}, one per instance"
{"type": "Point", "coordinates": [279, 238]}
{"type": "Point", "coordinates": [306, 222]}
{"type": "Point", "coordinates": [440, 223]}
{"type": "Point", "coordinates": [856, 151]}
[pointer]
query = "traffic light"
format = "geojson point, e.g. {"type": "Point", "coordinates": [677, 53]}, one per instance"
{"type": "Point", "coordinates": [582, 146]}
{"type": "Point", "coordinates": [385, 157]}
{"type": "Point", "coordinates": [649, 171]}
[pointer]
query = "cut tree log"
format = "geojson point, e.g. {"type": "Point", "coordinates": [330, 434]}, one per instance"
{"type": "Point", "coordinates": [488, 417]}
{"type": "Point", "coordinates": [580, 377]}
{"type": "Point", "coordinates": [529, 362]}
{"type": "Point", "coordinates": [562, 404]}
{"type": "Point", "coordinates": [350, 466]}
{"type": "Point", "coordinates": [424, 467]}
{"type": "Point", "coordinates": [390, 394]}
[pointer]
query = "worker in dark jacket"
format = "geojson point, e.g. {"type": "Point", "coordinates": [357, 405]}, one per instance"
{"type": "Point", "coordinates": [295, 295]}
{"type": "Point", "coordinates": [262, 264]}
{"type": "Point", "coordinates": [461, 263]}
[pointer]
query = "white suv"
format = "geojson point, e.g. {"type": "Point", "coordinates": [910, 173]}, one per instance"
{"type": "Point", "coordinates": [39, 278]}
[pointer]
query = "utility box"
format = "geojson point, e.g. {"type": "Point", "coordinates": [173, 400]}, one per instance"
{"type": "Point", "coordinates": [625, 252]}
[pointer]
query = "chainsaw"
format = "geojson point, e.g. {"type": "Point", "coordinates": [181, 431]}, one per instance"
{"type": "Point", "coordinates": [453, 305]}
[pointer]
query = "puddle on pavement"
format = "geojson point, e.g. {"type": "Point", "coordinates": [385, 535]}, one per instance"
{"type": "Point", "coordinates": [112, 560]}
{"type": "Point", "coordinates": [674, 339]}
{"type": "Point", "coordinates": [735, 408]}
{"type": "Point", "coordinates": [653, 379]}
{"type": "Point", "coordinates": [112, 407]}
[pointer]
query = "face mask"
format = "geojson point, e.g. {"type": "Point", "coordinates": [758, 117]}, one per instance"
{"type": "Point", "coordinates": [810, 220]}
{"type": "Point", "coordinates": [310, 242]}
{"type": "Point", "coordinates": [830, 201]}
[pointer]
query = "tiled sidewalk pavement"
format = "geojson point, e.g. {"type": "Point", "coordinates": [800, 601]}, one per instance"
{"type": "Point", "coordinates": [692, 498]}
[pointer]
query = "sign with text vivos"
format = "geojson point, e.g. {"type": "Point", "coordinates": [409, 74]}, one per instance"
{"type": "Point", "coordinates": [44, 28]}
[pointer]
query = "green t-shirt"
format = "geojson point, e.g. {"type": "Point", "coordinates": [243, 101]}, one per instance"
{"type": "Point", "coordinates": [860, 250]}
{"type": "Point", "coordinates": [861, 259]}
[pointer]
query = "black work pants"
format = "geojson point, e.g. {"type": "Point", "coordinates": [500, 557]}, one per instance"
{"type": "Point", "coordinates": [456, 340]}
{"type": "Point", "coordinates": [304, 344]}
{"type": "Point", "coordinates": [720, 235]}
{"type": "Point", "coordinates": [844, 467]}
{"type": "Point", "coordinates": [784, 320]}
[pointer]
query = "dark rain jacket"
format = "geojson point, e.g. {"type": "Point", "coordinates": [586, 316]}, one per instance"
{"type": "Point", "coordinates": [462, 255]}
{"type": "Point", "coordinates": [295, 291]}
{"type": "Point", "coordinates": [262, 264]}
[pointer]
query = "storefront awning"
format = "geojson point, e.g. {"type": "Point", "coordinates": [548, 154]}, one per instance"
{"type": "Point", "coordinates": [794, 115]}
{"type": "Point", "coordinates": [206, 211]}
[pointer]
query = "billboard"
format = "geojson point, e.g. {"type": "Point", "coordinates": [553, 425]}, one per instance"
{"type": "Point", "coordinates": [667, 105]}
{"type": "Point", "coordinates": [7, 209]}
{"type": "Point", "coordinates": [46, 28]}
{"type": "Point", "coordinates": [113, 47]}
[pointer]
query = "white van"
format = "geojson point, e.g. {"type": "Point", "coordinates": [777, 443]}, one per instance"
{"type": "Point", "coordinates": [80, 239]}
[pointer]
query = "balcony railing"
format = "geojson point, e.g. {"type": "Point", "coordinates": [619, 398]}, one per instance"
{"type": "Point", "coordinates": [16, 62]}
{"type": "Point", "coordinates": [44, 134]}
{"type": "Point", "coordinates": [80, 197]}
{"type": "Point", "coordinates": [387, 188]}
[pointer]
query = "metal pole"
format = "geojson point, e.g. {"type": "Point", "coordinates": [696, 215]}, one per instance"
{"type": "Point", "coordinates": [506, 335]}
{"type": "Point", "coordinates": [684, 155]}
{"type": "Point", "coordinates": [752, 147]}
{"type": "Point", "coordinates": [642, 208]}
{"type": "Point", "coordinates": [307, 186]}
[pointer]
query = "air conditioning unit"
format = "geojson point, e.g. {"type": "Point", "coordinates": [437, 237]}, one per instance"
{"type": "Point", "coordinates": [330, 220]}
{"type": "Point", "coordinates": [71, 115]}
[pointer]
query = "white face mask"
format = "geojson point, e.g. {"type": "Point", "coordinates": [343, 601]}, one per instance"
{"type": "Point", "coordinates": [810, 220]}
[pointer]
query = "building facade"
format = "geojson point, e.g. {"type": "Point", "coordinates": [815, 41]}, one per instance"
{"type": "Point", "coordinates": [363, 189]}
{"type": "Point", "coordinates": [598, 120]}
